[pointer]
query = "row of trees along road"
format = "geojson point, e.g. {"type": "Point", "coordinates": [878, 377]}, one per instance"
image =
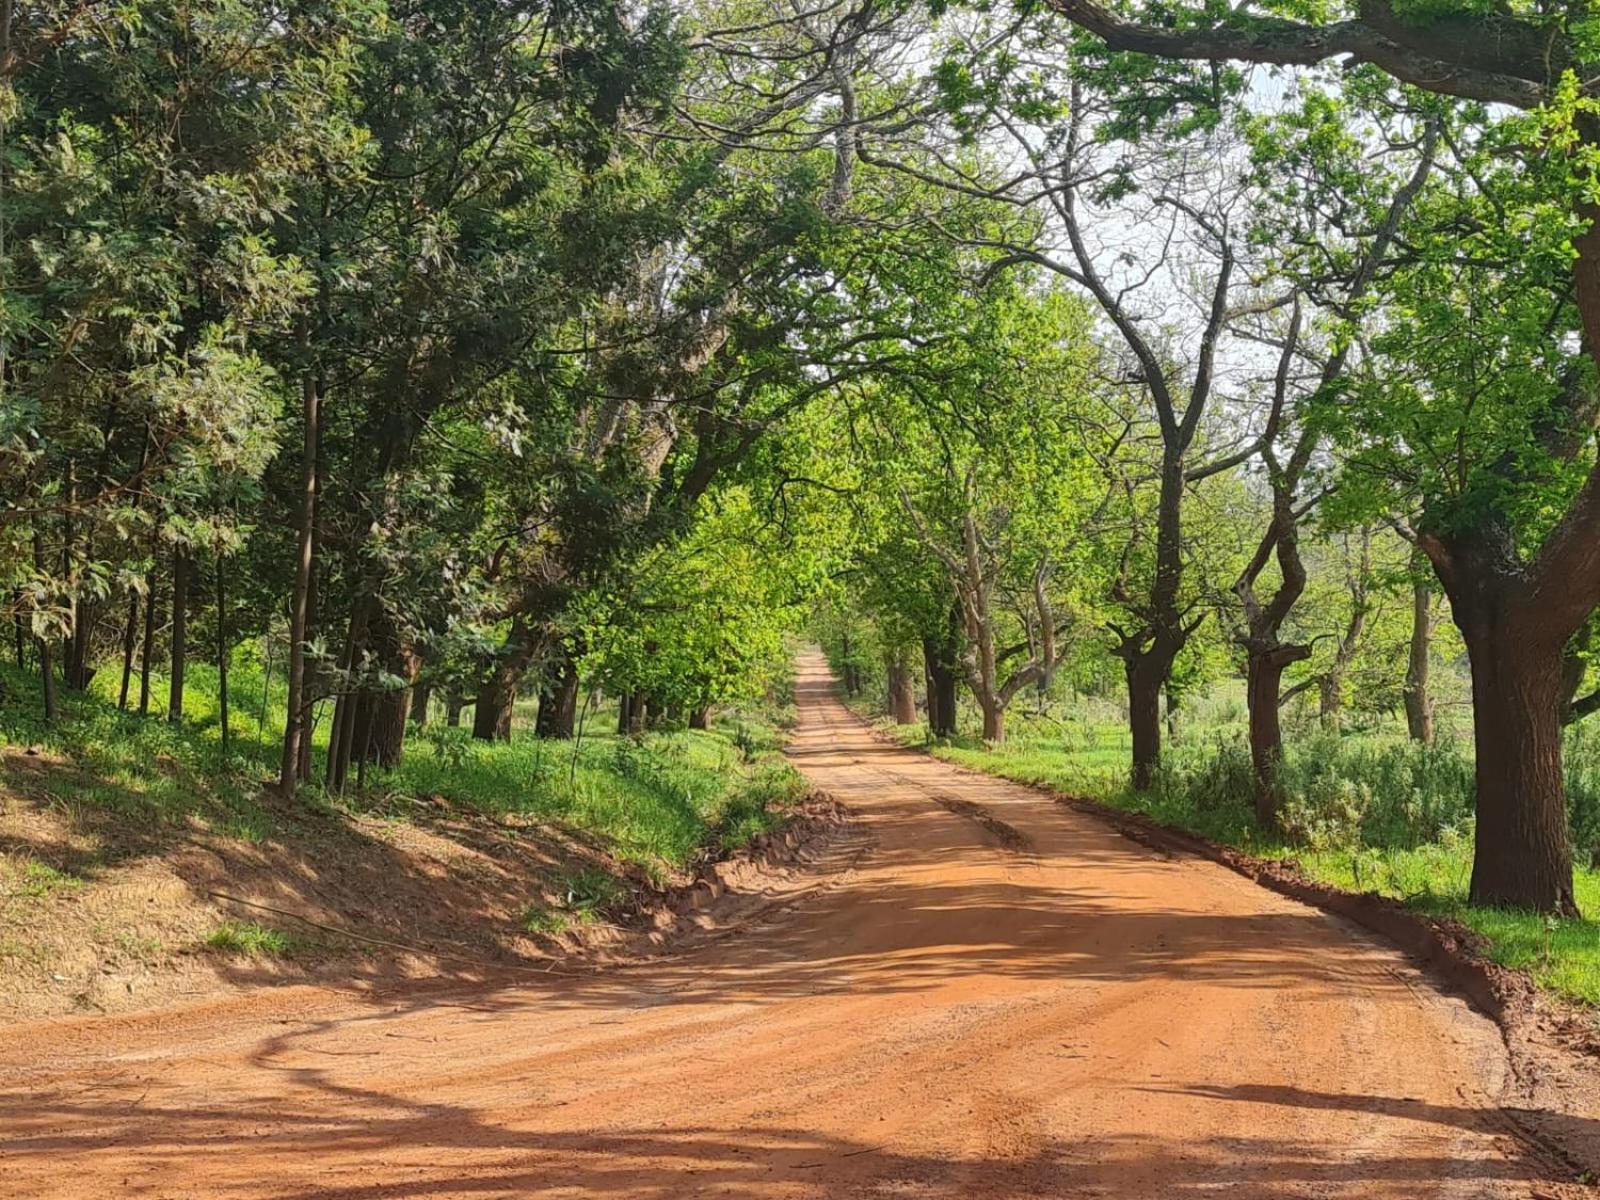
{"type": "Point", "coordinates": [477, 351]}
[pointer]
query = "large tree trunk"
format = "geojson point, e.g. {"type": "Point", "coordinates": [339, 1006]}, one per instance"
{"type": "Point", "coordinates": [491, 718]}
{"type": "Point", "coordinates": [497, 698]}
{"type": "Point", "coordinates": [297, 731]}
{"type": "Point", "coordinates": [1418, 700]}
{"type": "Point", "coordinates": [700, 718]}
{"type": "Point", "coordinates": [385, 712]}
{"type": "Point", "coordinates": [421, 693]}
{"type": "Point", "coordinates": [902, 694]}
{"type": "Point", "coordinates": [1521, 855]}
{"type": "Point", "coordinates": [1263, 686]}
{"type": "Point", "coordinates": [558, 701]}
{"type": "Point", "coordinates": [453, 705]}
{"type": "Point", "coordinates": [994, 723]}
{"type": "Point", "coordinates": [942, 672]}
{"type": "Point", "coordinates": [1146, 676]}
{"type": "Point", "coordinates": [180, 634]}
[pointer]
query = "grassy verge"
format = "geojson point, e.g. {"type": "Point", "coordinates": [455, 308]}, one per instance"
{"type": "Point", "coordinates": [658, 802]}
{"type": "Point", "coordinates": [1366, 811]}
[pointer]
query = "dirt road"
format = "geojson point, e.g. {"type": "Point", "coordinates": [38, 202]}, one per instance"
{"type": "Point", "coordinates": [999, 999]}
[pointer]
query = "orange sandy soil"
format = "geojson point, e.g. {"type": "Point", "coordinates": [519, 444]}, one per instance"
{"type": "Point", "coordinates": [989, 995]}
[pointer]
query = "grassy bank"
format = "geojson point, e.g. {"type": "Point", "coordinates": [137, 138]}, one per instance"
{"type": "Point", "coordinates": [123, 840]}
{"type": "Point", "coordinates": [658, 801]}
{"type": "Point", "coordinates": [1365, 810]}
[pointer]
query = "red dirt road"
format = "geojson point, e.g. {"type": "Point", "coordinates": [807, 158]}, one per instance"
{"type": "Point", "coordinates": [1000, 998]}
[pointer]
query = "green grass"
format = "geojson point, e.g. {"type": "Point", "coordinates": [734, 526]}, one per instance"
{"type": "Point", "coordinates": [250, 940]}
{"type": "Point", "coordinates": [1367, 825]}
{"type": "Point", "coordinates": [661, 801]}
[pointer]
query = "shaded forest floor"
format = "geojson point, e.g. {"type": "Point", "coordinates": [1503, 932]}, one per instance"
{"type": "Point", "coordinates": [139, 862]}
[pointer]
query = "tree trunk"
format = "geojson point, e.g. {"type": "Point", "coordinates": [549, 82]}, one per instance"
{"type": "Point", "coordinates": [297, 731]}
{"type": "Point", "coordinates": [77, 672]}
{"type": "Point", "coordinates": [386, 742]}
{"type": "Point", "coordinates": [1330, 697]}
{"type": "Point", "coordinates": [47, 672]}
{"type": "Point", "coordinates": [558, 701]}
{"type": "Point", "coordinates": [939, 663]}
{"type": "Point", "coordinates": [222, 654]}
{"type": "Point", "coordinates": [700, 718]}
{"type": "Point", "coordinates": [341, 738]}
{"type": "Point", "coordinates": [1146, 677]}
{"type": "Point", "coordinates": [1418, 700]}
{"type": "Point", "coordinates": [497, 698]}
{"type": "Point", "coordinates": [1521, 854]}
{"type": "Point", "coordinates": [453, 705]}
{"type": "Point", "coordinates": [994, 723]}
{"type": "Point", "coordinates": [147, 648]}
{"type": "Point", "coordinates": [180, 638]}
{"type": "Point", "coordinates": [421, 693]}
{"type": "Point", "coordinates": [21, 639]}
{"type": "Point", "coordinates": [624, 711]}
{"type": "Point", "coordinates": [385, 711]}
{"type": "Point", "coordinates": [130, 633]}
{"type": "Point", "coordinates": [1263, 686]}
{"type": "Point", "coordinates": [902, 694]}
{"type": "Point", "coordinates": [47, 678]}
{"type": "Point", "coordinates": [491, 718]}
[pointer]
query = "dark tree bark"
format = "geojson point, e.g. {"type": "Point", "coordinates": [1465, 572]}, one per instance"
{"type": "Point", "coordinates": [147, 649]}
{"type": "Point", "coordinates": [1521, 853]}
{"type": "Point", "coordinates": [21, 639]}
{"type": "Point", "coordinates": [421, 693]}
{"type": "Point", "coordinates": [1418, 699]}
{"type": "Point", "coordinates": [492, 713]}
{"type": "Point", "coordinates": [624, 712]}
{"type": "Point", "coordinates": [385, 712]}
{"type": "Point", "coordinates": [180, 634]}
{"type": "Point", "coordinates": [77, 672]}
{"type": "Point", "coordinates": [1516, 642]}
{"type": "Point", "coordinates": [130, 633]}
{"type": "Point", "coordinates": [558, 701]}
{"type": "Point", "coordinates": [939, 658]}
{"type": "Point", "coordinates": [1146, 675]}
{"type": "Point", "coordinates": [453, 705]}
{"type": "Point", "coordinates": [491, 718]}
{"type": "Point", "coordinates": [700, 718]}
{"type": "Point", "coordinates": [902, 693]}
{"type": "Point", "coordinates": [293, 764]}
